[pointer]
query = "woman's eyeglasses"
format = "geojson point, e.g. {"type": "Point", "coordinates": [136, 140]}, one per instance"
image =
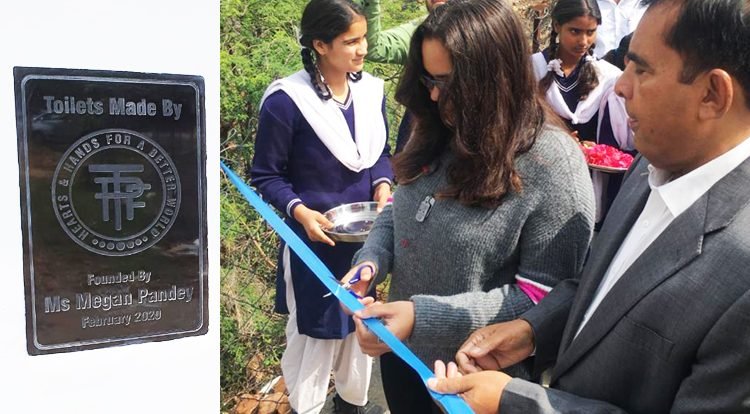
{"type": "Point", "coordinates": [429, 82]}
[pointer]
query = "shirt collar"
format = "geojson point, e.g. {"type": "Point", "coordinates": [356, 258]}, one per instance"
{"type": "Point", "coordinates": [679, 194]}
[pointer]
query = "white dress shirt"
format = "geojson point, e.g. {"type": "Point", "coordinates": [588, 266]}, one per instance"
{"type": "Point", "coordinates": [618, 20]}
{"type": "Point", "coordinates": [667, 200]}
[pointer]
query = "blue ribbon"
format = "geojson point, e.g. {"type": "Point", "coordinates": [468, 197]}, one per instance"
{"type": "Point", "coordinates": [451, 403]}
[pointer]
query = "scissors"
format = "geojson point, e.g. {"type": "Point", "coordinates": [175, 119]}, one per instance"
{"type": "Point", "coordinates": [348, 285]}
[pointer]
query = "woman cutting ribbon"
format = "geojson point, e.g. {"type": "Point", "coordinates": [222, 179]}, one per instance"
{"type": "Point", "coordinates": [494, 204]}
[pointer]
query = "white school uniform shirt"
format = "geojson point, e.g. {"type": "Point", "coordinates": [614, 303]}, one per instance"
{"type": "Point", "coordinates": [618, 20]}
{"type": "Point", "coordinates": [667, 200]}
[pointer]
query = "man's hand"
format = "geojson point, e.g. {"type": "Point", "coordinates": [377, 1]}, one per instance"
{"type": "Point", "coordinates": [314, 222]}
{"type": "Point", "coordinates": [398, 317]}
{"type": "Point", "coordinates": [382, 195]}
{"type": "Point", "coordinates": [481, 390]}
{"type": "Point", "coordinates": [497, 346]}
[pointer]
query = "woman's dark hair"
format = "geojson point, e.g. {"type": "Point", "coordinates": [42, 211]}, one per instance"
{"type": "Point", "coordinates": [711, 34]}
{"type": "Point", "coordinates": [563, 12]}
{"type": "Point", "coordinates": [617, 56]}
{"type": "Point", "coordinates": [488, 111]}
{"type": "Point", "coordinates": [325, 20]}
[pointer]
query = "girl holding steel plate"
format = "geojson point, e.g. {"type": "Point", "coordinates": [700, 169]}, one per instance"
{"type": "Point", "coordinates": [321, 143]}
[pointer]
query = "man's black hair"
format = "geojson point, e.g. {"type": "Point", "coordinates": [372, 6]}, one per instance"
{"type": "Point", "coordinates": [711, 34]}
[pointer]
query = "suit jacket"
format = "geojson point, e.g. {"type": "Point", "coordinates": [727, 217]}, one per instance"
{"type": "Point", "coordinates": [673, 334]}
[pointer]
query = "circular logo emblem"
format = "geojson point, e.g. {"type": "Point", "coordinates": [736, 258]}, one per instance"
{"type": "Point", "coordinates": [116, 192]}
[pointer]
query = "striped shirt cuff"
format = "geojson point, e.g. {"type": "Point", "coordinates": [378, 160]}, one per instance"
{"type": "Point", "coordinates": [382, 180]}
{"type": "Point", "coordinates": [290, 206]}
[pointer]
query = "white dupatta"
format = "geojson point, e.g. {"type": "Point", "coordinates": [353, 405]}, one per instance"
{"type": "Point", "coordinates": [585, 109]}
{"type": "Point", "coordinates": [329, 123]}
{"type": "Point", "coordinates": [596, 101]}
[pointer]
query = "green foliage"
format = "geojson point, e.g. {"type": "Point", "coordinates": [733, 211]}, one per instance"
{"type": "Point", "coordinates": [258, 46]}
{"type": "Point", "coordinates": [234, 353]}
{"type": "Point", "coordinates": [252, 336]}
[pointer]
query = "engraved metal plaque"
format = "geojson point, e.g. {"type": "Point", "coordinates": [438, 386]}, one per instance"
{"type": "Point", "coordinates": [113, 203]}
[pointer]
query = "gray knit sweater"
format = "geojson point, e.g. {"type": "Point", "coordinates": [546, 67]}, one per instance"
{"type": "Point", "coordinates": [459, 264]}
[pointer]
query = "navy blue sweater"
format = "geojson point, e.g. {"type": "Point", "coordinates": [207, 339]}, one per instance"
{"type": "Point", "coordinates": [291, 165]}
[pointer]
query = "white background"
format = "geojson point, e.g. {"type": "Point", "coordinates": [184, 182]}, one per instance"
{"type": "Point", "coordinates": [158, 36]}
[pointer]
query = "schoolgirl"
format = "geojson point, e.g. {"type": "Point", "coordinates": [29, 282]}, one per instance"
{"type": "Point", "coordinates": [321, 142]}
{"type": "Point", "coordinates": [580, 88]}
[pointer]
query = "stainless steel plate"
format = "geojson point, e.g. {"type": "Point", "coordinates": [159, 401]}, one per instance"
{"type": "Point", "coordinates": [351, 222]}
{"type": "Point", "coordinates": [607, 169]}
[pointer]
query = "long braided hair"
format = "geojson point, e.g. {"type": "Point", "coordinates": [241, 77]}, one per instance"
{"type": "Point", "coordinates": [325, 20]}
{"type": "Point", "coordinates": [563, 12]}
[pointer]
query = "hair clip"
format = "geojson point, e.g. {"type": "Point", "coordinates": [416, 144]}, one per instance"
{"type": "Point", "coordinates": [555, 65]}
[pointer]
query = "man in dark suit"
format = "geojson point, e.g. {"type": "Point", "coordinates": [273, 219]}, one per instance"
{"type": "Point", "coordinates": [660, 321]}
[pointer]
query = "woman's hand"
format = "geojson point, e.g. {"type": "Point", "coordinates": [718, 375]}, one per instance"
{"type": "Point", "coordinates": [314, 222]}
{"type": "Point", "coordinates": [382, 195]}
{"type": "Point", "coordinates": [398, 317]}
{"type": "Point", "coordinates": [366, 275]}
